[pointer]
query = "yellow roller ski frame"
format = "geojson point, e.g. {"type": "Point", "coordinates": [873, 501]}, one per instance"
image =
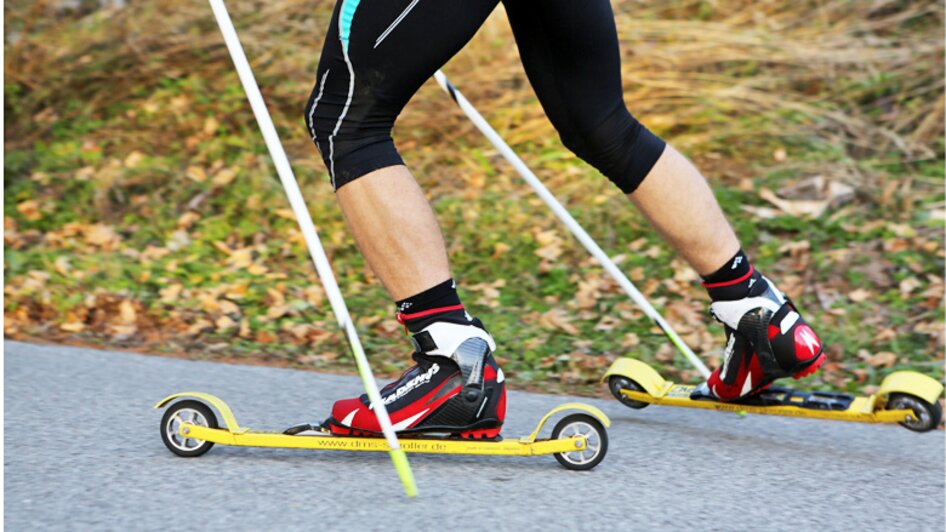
{"type": "Point", "coordinates": [581, 443]}
{"type": "Point", "coordinates": [905, 397]}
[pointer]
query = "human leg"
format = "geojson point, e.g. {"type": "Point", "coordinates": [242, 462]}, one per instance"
{"type": "Point", "coordinates": [570, 53]}
{"type": "Point", "coordinates": [377, 54]}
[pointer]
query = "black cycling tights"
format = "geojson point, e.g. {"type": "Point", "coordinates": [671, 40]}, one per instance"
{"type": "Point", "coordinates": [379, 52]}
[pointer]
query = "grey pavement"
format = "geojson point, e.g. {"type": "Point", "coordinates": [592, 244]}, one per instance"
{"type": "Point", "coordinates": [83, 452]}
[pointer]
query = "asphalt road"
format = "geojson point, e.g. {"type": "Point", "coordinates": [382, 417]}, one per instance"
{"type": "Point", "coordinates": [82, 451]}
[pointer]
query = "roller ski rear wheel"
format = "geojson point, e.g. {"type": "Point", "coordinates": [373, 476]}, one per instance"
{"type": "Point", "coordinates": [193, 412]}
{"type": "Point", "coordinates": [616, 383]}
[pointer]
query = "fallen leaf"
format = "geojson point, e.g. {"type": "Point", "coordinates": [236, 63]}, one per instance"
{"type": "Point", "coordinates": [797, 208]}
{"type": "Point", "coordinates": [607, 323]}
{"type": "Point", "coordinates": [62, 265]}
{"type": "Point", "coordinates": [73, 326]}
{"type": "Point", "coordinates": [665, 353]}
{"type": "Point", "coordinates": [134, 159]}
{"type": "Point", "coordinates": [277, 311]}
{"type": "Point", "coordinates": [224, 177]}
{"type": "Point", "coordinates": [241, 258]}
{"type": "Point", "coordinates": [187, 220]}
{"type": "Point", "coordinates": [29, 209]}
{"type": "Point", "coordinates": [102, 235]}
{"type": "Point", "coordinates": [210, 126]}
{"type": "Point", "coordinates": [557, 318]}
{"type": "Point", "coordinates": [196, 173]}
{"type": "Point", "coordinates": [884, 358]}
{"type": "Point", "coordinates": [257, 269]}
{"type": "Point", "coordinates": [499, 249]}
{"type": "Point", "coordinates": [762, 213]}
{"type": "Point", "coordinates": [245, 331]}
{"type": "Point", "coordinates": [909, 284]}
{"type": "Point", "coordinates": [127, 314]}
{"type": "Point", "coordinates": [199, 326]}
{"type": "Point", "coordinates": [630, 340]}
{"type": "Point", "coordinates": [224, 323]}
{"type": "Point", "coordinates": [859, 295]}
{"type": "Point", "coordinates": [170, 294]}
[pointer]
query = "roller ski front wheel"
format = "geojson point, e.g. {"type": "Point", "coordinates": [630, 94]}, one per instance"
{"type": "Point", "coordinates": [926, 416]}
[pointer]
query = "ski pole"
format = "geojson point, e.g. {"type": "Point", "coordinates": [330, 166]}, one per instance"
{"type": "Point", "coordinates": [312, 241]}
{"type": "Point", "coordinates": [569, 221]}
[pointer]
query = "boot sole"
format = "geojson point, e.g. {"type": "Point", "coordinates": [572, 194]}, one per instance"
{"type": "Point", "coordinates": [811, 367]}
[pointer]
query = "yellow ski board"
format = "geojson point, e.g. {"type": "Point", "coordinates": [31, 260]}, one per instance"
{"type": "Point", "coordinates": [511, 447]}
{"type": "Point", "coordinates": [861, 409]}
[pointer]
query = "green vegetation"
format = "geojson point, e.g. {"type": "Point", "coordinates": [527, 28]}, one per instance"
{"type": "Point", "coordinates": [141, 210]}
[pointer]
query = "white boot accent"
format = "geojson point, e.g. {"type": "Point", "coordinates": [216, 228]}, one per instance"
{"type": "Point", "coordinates": [404, 424]}
{"type": "Point", "coordinates": [790, 319]}
{"type": "Point", "coordinates": [448, 337]}
{"type": "Point", "coordinates": [730, 312]}
{"type": "Point", "coordinates": [348, 419]}
{"type": "Point", "coordinates": [747, 387]}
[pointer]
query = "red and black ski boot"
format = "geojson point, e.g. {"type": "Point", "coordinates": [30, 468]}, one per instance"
{"type": "Point", "coordinates": [456, 388]}
{"type": "Point", "coordinates": [766, 339]}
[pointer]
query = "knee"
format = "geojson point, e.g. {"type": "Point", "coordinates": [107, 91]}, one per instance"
{"type": "Point", "coordinates": [619, 147]}
{"type": "Point", "coordinates": [352, 142]}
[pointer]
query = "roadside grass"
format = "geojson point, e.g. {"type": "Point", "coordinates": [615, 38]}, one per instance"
{"type": "Point", "coordinates": [141, 211]}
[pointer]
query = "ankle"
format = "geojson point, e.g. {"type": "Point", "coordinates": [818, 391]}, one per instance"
{"type": "Point", "coordinates": [734, 280]}
{"type": "Point", "coordinates": [439, 303]}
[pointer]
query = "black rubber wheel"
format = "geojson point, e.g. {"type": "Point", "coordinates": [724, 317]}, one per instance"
{"type": "Point", "coordinates": [616, 383]}
{"type": "Point", "coordinates": [189, 411]}
{"type": "Point", "coordinates": [596, 439]}
{"type": "Point", "coordinates": [926, 416]}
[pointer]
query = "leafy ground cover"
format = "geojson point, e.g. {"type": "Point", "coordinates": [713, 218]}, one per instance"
{"type": "Point", "coordinates": [141, 210]}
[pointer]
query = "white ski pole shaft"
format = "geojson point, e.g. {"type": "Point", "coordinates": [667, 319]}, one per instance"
{"type": "Point", "coordinates": [568, 220]}
{"type": "Point", "coordinates": [312, 241]}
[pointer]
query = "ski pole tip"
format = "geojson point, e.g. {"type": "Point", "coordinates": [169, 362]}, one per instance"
{"type": "Point", "coordinates": [399, 457]}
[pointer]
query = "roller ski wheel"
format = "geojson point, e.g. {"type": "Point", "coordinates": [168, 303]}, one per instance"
{"type": "Point", "coordinates": [596, 441]}
{"type": "Point", "coordinates": [616, 383]}
{"type": "Point", "coordinates": [927, 416]}
{"type": "Point", "coordinates": [193, 412]}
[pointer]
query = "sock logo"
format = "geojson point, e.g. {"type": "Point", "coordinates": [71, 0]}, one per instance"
{"type": "Point", "coordinates": [410, 385]}
{"type": "Point", "coordinates": [736, 263]}
{"type": "Point", "coordinates": [404, 306]}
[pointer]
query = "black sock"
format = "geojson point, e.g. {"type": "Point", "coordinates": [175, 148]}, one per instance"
{"type": "Point", "coordinates": [440, 303]}
{"type": "Point", "coordinates": [733, 280]}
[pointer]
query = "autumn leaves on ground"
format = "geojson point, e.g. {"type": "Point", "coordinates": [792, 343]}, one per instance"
{"type": "Point", "coordinates": [141, 210]}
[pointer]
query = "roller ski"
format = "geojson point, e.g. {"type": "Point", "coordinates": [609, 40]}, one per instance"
{"type": "Point", "coordinates": [452, 402]}
{"type": "Point", "coordinates": [905, 397]}
{"type": "Point", "coordinates": [190, 428]}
